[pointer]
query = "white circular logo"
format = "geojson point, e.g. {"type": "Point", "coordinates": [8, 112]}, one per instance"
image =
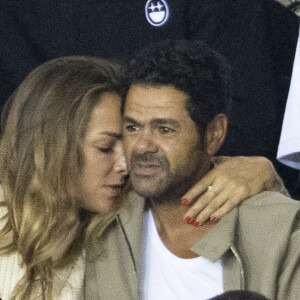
{"type": "Point", "coordinates": [157, 12]}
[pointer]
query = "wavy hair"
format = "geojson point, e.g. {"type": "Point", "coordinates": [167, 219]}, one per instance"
{"type": "Point", "coordinates": [43, 125]}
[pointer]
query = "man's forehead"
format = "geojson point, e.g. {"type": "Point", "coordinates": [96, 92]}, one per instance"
{"type": "Point", "coordinates": [154, 97]}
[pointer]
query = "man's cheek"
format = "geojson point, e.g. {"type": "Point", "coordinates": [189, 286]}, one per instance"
{"type": "Point", "coordinates": [127, 153]}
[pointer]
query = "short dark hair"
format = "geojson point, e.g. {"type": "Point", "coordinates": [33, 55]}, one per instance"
{"type": "Point", "coordinates": [191, 67]}
{"type": "Point", "coordinates": [240, 295]}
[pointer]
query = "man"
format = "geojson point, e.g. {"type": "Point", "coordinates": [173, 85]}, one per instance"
{"type": "Point", "coordinates": [288, 151]}
{"type": "Point", "coordinates": [289, 146]}
{"type": "Point", "coordinates": [258, 37]}
{"type": "Point", "coordinates": [174, 120]}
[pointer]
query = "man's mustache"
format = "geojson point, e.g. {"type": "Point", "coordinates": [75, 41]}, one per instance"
{"type": "Point", "coordinates": [149, 157]}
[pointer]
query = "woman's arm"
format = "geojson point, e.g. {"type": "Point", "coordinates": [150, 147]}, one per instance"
{"type": "Point", "coordinates": [231, 181]}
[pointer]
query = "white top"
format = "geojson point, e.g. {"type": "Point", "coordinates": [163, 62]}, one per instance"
{"type": "Point", "coordinates": [11, 273]}
{"type": "Point", "coordinates": [166, 276]}
{"type": "Point", "coordinates": [289, 144]}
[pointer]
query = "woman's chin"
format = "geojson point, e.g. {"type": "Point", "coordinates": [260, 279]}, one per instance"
{"type": "Point", "coordinates": [101, 206]}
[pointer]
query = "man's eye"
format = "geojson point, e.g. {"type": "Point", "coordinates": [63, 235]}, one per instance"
{"type": "Point", "coordinates": [105, 150]}
{"type": "Point", "coordinates": [131, 128]}
{"type": "Point", "coordinates": [166, 130]}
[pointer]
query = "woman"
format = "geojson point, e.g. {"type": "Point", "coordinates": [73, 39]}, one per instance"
{"type": "Point", "coordinates": [56, 158]}
{"type": "Point", "coordinates": [62, 172]}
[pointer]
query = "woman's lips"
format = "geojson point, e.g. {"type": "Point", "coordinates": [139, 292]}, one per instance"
{"type": "Point", "coordinates": [114, 190]}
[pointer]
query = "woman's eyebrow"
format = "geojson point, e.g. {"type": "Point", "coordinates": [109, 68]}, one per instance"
{"type": "Point", "coordinates": [111, 134]}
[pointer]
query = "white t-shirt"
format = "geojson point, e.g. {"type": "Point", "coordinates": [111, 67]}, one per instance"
{"type": "Point", "coordinates": [289, 144]}
{"type": "Point", "coordinates": [166, 276]}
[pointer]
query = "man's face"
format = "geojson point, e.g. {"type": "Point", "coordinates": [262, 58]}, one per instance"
{"type": "Point", "coordinates": [162, 145]}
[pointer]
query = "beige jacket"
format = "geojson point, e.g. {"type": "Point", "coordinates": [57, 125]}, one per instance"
{"type": "Point", "coordinates": [259, 244]}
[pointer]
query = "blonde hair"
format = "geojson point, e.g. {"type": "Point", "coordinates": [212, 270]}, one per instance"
{"type": "Point", "coordinates": [43, 125]}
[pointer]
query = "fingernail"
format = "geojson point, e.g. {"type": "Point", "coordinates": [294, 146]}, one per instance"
{"type": "Point", "coordinates": [213, 218]}
{"type": "Point", "coordinates": [188, 219]}
{"type": "Point", "coordinates": [184, 201]}
{"type": "Point", "coordinates": [196, 223]}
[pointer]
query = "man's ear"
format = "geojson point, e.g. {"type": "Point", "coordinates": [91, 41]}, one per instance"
{"type": "Point", "coordinates": [215, 133]}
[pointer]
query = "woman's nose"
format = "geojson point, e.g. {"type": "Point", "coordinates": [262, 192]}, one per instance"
{"type": "Point", "coordinates": [120, 164]}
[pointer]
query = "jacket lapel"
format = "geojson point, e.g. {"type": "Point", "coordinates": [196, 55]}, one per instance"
{"type": "Point", "coordinates": [115, 273]}
{"type": "Point", "coordinates": [219, 243]}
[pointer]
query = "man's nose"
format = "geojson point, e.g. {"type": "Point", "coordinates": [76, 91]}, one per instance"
{"type": "Point", "coordinates": [145, 143]}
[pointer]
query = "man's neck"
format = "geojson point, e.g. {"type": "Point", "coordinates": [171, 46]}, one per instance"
{"type": "Point", "coordinates": [168, 217]}
{"type": "Point", "coordinates": [177, 235]}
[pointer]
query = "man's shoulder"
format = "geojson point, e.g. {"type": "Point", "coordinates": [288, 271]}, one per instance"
{"type": "Point", "coordinates": [133, 204]}
{"type": "Point", "coordinates": [132, 196]}
{"type": "Point", "coordinates": [270, 200]}
{"type": "Point", "coordinates": [270, 211]}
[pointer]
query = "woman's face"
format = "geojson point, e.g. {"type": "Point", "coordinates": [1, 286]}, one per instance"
{"type": "Point", "coordinates": [103, 174]}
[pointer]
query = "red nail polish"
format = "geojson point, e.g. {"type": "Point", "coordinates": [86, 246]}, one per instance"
{"type": "Point", "coordinates": [213, 218]}
{"type": "Point", "coordinates": [196, 223]}
{"type": "Point", "coordinates": [184, 201]}
{"type": "Point", "coordinates": [188, 219]}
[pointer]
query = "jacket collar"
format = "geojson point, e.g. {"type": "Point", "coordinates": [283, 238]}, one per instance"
{"type": "Point", "coordinates": [212, 246]}
{"type": "Point", "coordinates": [131, 221]}
{"type": "Point", "coordinates": [217, 243]}
{"type": "Point", "coordinates": [219, 239]}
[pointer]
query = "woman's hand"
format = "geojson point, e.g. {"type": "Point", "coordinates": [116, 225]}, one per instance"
{"type": "Point", "coordinates": [232, 180]}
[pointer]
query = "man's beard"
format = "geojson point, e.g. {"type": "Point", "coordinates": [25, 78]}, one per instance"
{"type": "Point", "coordinates": [163, 186]}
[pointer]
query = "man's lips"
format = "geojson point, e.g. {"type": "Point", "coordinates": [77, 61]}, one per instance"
{"type": "Point", "coordinates": [145, 168]}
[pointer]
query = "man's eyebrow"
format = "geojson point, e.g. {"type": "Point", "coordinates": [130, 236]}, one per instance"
{"type": "Point", "coordinates": [130, 120]}
{"type": "Point", "coordinates": [163, 121]}
{"type": "Point", "coordinates": [157, 121]}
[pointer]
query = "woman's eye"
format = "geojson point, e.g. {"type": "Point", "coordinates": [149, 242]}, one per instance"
{"type": "Point", "coordinates": [105, 150]}
{"type": "Point", "coordinates": [166, 130]}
